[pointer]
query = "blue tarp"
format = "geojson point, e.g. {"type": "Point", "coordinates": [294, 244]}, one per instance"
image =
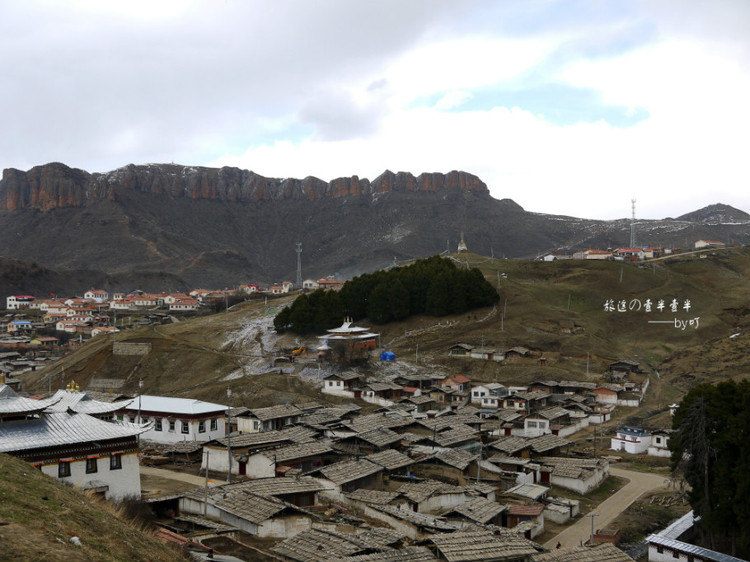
{"type": "Point", "coordinates": [387, 356]}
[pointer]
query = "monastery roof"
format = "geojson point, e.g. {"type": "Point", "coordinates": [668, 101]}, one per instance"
{"type": "Point", "coordinates": [81, 403]}
{"type": "Point", "coordinates": [61, 429]}
{"type": "Point", "coordinates": [11, 403]}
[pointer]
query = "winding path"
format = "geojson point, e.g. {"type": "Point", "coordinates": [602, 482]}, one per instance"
{"type": "Point", "coordinates": [639, 483]}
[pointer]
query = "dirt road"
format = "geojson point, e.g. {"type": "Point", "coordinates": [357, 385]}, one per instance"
{"type": "Point", "coordinates": [161, 482]}
{"type": "Point", "coordinates": [639, 483]}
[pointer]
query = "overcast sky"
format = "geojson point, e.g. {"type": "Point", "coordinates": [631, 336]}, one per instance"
{"type": "Point", "coordinates": [566, 107]}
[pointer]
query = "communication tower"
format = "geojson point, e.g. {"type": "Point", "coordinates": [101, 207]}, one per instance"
{"type": "Point", "coordinates": [632, 225]}
{"type": "Point", "coordinates": [299, 265]}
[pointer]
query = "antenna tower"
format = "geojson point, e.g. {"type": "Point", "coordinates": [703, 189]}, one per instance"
{"type": "Point", "coordinates": [632, 226]}
{"type": "Point", "coordinates": [299, 265]}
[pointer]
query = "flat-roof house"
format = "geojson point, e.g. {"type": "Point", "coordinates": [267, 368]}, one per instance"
{"type": "Point", "coordinates": [633, 440]}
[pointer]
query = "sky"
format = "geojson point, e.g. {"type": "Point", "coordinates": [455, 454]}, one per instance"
{"type": "Point", "coordinates": [566, 107]}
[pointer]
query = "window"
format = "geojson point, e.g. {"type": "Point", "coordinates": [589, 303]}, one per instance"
{"type": "Point", "coordinates": [157, 424]}
{"type": "Point", "coordinates": [214, 425]}
{"type": "Point", "coordinates": [256, 425]}
{"type": "Point", "coordinates": [532, 424]}
{"type": "Point", "coordinates": [201, 426]}
{"type": "Point", "coordinates": [675, 553]}
{"type": "Point", "coordinates": [144, 419]}
{"type": "Point", "coordinates": [185, 427]}
{"type": "Point", "coordinates": [119, 418]}
{"type": "Point", "coordinates": [63, 469]}
{"type": "Point", "coordinates": [115, 461]}
{"type": "Point", "coordinates": [91, 466]}
{"type": "Point", "coordinates": [171, 425]}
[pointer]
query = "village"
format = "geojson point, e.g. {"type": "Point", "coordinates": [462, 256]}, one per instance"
{"type": "Point", "coordinates": [404, 467]}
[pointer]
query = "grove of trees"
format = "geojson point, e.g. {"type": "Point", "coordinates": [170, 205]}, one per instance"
{"type": "Point", "coordinates": [711, 446]}
{"type": "Point", "coordinates": [432, 286]}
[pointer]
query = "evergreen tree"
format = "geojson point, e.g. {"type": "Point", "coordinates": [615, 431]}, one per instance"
{"type": "Point", "coordinates": [283, 320]}
{"type": "Point", "coordinates": [302, 315]}
{"type": "Point", "coordinates": [711, 445]}
{"type": "Point", "coordinates": [378, 306]}
{"type": "Point", "coordinates": [398, 301]}
{"type": "Point", "coordinates": [438, 296]}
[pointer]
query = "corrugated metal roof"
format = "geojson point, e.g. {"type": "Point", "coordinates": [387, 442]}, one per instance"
{"type": "Point", "coordinates": [168, 405]}
{"type": "Point", "coordinates": [703, 553]}
{"type": "Point", "coordinates": [55, 430]}
{"type": "Point", "coordinates": [11, 403]}
{"type": "Point", "coordinates": [81, 403]}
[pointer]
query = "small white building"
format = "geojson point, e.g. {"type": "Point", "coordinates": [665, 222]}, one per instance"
{"type": "Point", "coordinates": [17, 302]}
{"type": "Point", "coordinates": [310, 285]}
{"type": "Point", "coordinates": [177, 419]}
{"type": "Point", "coordinates": [98, 296]}
{"type": "Point", "coordinates": [659, 444]}
{"type": "Point", "coordinates": [631, 440]}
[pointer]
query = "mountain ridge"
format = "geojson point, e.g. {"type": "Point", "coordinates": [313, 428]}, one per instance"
{"type": "Point", "coordinates": [56, 185]}
{"type": "Point", "coordinates": [217, 228]}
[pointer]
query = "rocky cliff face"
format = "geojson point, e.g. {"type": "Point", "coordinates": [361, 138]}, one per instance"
{"type": "Point", "coordinates": [55, 185]}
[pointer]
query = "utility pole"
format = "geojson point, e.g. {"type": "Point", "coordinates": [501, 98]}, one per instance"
{"type": "Point", "coordinates": [479, 461]}
{"type": "Point", "coordinates": [592, 515]}
{"type": "Point", "coordinates": [140, 393]}
{"type": "Point", "coordinates": [229, 435]}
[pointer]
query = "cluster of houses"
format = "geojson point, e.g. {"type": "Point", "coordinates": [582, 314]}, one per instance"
{"type": "Point", "coordinates": [319, 480]}
{"type": "Point", "coordinates": [542, 407]}
{"type": "Point", "coordinates": [637, 253]}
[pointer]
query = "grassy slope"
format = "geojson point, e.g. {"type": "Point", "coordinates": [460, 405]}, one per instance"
{"type": "Point", "coordinates": [38, 517]}
{"type": "Point", "coordinates": [194, 357]}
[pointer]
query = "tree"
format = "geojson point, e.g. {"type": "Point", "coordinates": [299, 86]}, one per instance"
{"type": "Point", "coordinates": [711, 446]}
{"type": "Point", "coordinates": [283, 320]}
{"type": "Point", "coordinates": [378, 309]}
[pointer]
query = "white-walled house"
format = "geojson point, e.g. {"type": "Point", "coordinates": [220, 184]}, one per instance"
{"type": "Point", "coordinates": [310, 285]}
{"type": "Point", "coordinates": [177, 419]}
{"type": "Point", "coordinates": [268, 419]}
{"type": "Point", "coordinates": [98, 296]}
{"type": "Point", "coordinates": [17, 302]}
{"type": "Point", "coordinates": [78, 449]}
{"type": "Point", "coordinates": [659, 444]}
{"type": "Point", "coordinates": [632, 440]}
